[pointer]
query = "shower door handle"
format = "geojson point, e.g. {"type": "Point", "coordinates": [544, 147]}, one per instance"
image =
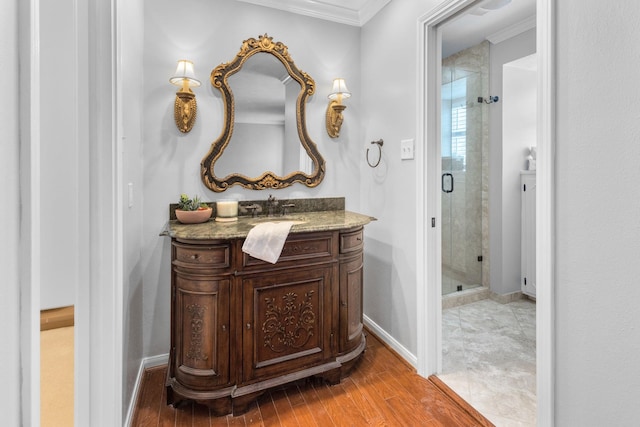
{"type": "Point", "coordinates": [449, 188]}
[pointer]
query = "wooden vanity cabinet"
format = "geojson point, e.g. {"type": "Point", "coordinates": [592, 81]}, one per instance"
{"type": "Point", "coordinates": [351, 280]}
{"type": "Point", "coordinates": [240, 326]}
{"type": "Point", "coordinates": [200, 357]}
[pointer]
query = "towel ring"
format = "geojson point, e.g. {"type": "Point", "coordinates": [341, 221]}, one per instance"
{"type": "Point", "coordinates": [379, 142]}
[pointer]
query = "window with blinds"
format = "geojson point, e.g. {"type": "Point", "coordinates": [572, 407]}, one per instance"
{"type": "Point", "coordinates": [459, 134]}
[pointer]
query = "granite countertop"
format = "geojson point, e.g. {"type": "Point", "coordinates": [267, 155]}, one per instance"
{"type": "Point", "coordinates": [303, 222]}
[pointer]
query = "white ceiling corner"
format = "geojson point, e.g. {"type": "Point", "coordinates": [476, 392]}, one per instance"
{"type": "Point", "coordinates": [370, 8]}
{"type": "Point", "coordinates": [498, 25]}
{"type": "Point", "coordinates": [512, 30]}
{"type": "Point", "coordinates": [350, 12]}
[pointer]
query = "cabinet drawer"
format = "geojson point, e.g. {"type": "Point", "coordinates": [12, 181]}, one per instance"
{"type": "Point", "coordinates": [205, 256]}
{"type": "Point", "coordinates": [299, 248]}
{"type": "Point", "coordinates": [351, 242]}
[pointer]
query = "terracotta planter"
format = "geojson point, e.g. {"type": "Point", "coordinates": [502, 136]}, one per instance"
{"type": "Point", "coordinates": [193, 217]}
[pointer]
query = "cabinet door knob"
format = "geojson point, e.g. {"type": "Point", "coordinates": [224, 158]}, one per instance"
{"type": "Point", "coordinates": [248, 326]}
{"type": "Point", "coordinates": [343, 303]}
{"type": "Point", "coordinates": [194, 256]}
{"type": "Point", "coordinates": [224, 327]}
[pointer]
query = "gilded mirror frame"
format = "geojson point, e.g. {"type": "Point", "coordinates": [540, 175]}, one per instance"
{"type": "Point", "coordinates": [268, 179]}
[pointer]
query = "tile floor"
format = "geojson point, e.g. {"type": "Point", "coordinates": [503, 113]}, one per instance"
{"type": "Point", "coordinates": [489, 358]}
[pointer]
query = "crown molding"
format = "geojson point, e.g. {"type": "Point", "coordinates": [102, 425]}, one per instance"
{"type": "Point", "coordinates": [329, 12]}
{"type": "Point", "coordinates": [513, 30]}
{"type": "Point", "coordinates": [370, 9]}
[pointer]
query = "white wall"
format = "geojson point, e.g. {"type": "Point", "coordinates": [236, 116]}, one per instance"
{"type": "Point", "coordinates": [10, 216]}
{"type": "Point", "coordinates": [171, 160]}
{"type": "Point", "coordinates": [519, 101]}
{"type": "Point", "coordinates": [597, 205]}
{"type": "Point", "coordinates": [59, 154]}
{"type": "Point", "coordinates": [504, 194]}
{"type": "Point", "coordinates": [519, 113]}
{"type": "Point", "coordinates": [133, 83]}
{"type": "Point", "coordinates": [388, 192]}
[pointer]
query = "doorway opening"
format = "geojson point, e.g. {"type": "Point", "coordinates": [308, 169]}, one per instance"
{"type": "Point", "coordinates": [430, 332]}
{"type": "Point", "coordinates": [488, 329]}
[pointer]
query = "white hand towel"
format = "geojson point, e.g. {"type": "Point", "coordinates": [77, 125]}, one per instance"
{"type": "Point", "coordinates": [266, 240]}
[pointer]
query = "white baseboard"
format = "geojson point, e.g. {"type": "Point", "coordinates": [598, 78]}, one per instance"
{"type": "Point", "coordinates": [148, 362]}
{"type": "Point", "coordinates": [390, 341]}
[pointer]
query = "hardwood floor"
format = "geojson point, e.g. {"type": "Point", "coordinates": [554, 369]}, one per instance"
{"type": "Point", "coordinates": [381, 391]}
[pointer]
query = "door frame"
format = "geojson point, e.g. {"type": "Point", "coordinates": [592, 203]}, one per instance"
{"type": "Point", "coordinates": [428, 274]}
{"type": "Point", "coordinates": [98, 333]}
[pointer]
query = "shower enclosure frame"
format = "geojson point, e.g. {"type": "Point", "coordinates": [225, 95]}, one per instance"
{"type": "Point", "coordinates": [464, 173]}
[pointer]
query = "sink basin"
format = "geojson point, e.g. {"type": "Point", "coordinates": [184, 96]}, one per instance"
{"type": "Point", "coordinates": [263, 220]}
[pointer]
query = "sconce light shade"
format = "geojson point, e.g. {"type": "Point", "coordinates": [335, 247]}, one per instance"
{"type": "Point", "coordinates": [339, 90]}
{"type": "Point", "coordinates": [336, 107]}
{"type": "Point", "coordinates": [184, 71]}
{"type": "Point", "coordinates": [185, 107]}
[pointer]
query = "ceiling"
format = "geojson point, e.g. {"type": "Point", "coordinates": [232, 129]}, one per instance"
{"type": "Point", "coordinates": [483, 24]}
{"type": "Point", "coordinates": [351, 12]}
{"type": "Point", "coordinates": [480, 23]}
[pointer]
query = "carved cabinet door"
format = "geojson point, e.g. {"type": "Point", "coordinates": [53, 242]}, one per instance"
{"type": "Point", "coordinates": [287, 320]}
{"type": "Point", "coordinates": [351, 282]}
{"type": "Point", "coordinates": [201, 311]}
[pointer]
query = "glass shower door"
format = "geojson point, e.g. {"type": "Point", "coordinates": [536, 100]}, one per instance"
{"type": "Point", "coordinates": [461, 180]}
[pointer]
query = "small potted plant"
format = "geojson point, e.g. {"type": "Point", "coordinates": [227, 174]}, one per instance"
{"type": "Point", "coordinates": [192, 211]}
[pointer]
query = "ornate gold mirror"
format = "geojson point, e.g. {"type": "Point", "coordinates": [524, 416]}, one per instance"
{"type": "Point", "coordinates": [264, 142]}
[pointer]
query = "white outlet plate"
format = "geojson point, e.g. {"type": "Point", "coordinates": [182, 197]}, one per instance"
{"type": "Point", "coordinates": [406, 149]}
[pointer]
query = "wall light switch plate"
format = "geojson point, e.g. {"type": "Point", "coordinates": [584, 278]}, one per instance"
{"type": "Point", "coordinates": [406, 149]}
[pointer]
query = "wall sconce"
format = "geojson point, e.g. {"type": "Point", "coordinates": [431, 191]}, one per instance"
{"type": "Point", "coordinates": [185, 108]}
{"type": "Point", "coordinates": [336, 107]}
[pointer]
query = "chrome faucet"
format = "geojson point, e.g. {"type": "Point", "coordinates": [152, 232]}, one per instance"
{"type": "Point", "coordinates": [253, 209]}
{"type": "Point", "coordinates": [287, 206]}
{"type": "Point", "coordinates": [272, 203]}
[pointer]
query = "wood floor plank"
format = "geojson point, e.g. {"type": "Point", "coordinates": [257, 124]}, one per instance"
{"type": "Point", "coordinates": [268, 411]}
{"type": "Point", "coordinates": [339, 405]}
{"type": "Point", "coordinates": [238, 421]}
{"type": "Point", "coordinates": [285, 412]}
{"type": "Point", "coordinates": [352, 411]}
{"type": "Point", "coordinates": [313, 402]}
{"type": "Point", "coordinates": [381, 391]}
{"type": "Point", "coordinates": [149, 401]}
{"type": "Point", "coordinates": [201, 416]}
{"type": "Point", "coordinates": [294, 395]}
{"type": "Point", "coordinates": [218, 421]}
{"type": "Point", "coordinates": [363, 401]}
{"type": "Point", "coordinates": [184, 414]}
{"type": "Point", "coordinates": [326, 399]}
{"type": "Point", "coordinates": [303, 414]}
{"type": "Point", "coordinates": [376, 383]}
{"type": "Point", "coordinates": [417, 402]}
{"type": "Point", "coordinates": [253, 417]}
{"type": "Point", "coordinates": [377, 393]}
{"type": "Point", "coordinates": [409, 412]}
{"type": "Point", "coordinates": [167, 416]}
